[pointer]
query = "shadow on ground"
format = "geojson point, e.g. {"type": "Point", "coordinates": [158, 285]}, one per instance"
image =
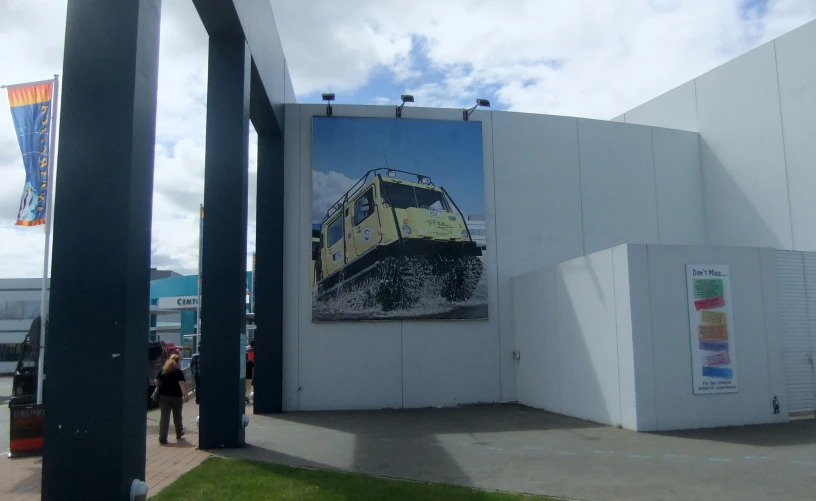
{"type": "Point", "coordinates": [767, 435]}
{"type": "Point", "coordinates": [404, 443]}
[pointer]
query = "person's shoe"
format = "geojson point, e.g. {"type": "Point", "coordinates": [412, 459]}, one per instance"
{"type": "Point", "coordinates": [163, 442]}
{"type": "Point", "coordinates": [180, 435]}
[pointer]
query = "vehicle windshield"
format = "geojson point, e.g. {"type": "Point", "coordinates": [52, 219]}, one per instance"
{"type": "Point", "coordinates": [403, 196]}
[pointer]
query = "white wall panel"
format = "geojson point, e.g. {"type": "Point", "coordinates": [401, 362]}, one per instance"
{"type": "Point", "coordinates": [567, 327]}
{"type": "Point", "coordinates": [291, 255]}
{"type": "Point", "coordinates": [535, 316]}
{"type": "Point", "coordinates": [774, 348]}
{"type": "Point", "coordinates": [617, 185]}
{"type": "Point", "coordinates": [455, 362]}
{"type": "Point", "coordinates": [643, 362]}
{"type": "Point", "coordinates": [353, 365]}
{"type": "Point", "coordinates": [625, 349]}
{"type": "Point", "coordinates": [796, 66]}
{"type": "Point", "coordinates": [744, 174]}
{"type": "Point", "coordinates": [679, 187]}
{"type": "Point", "coordinates": [538, 206]}
{"type": "Point", "coordinates": [588, 351]}
{"type": "Point", "coordinates": [797, 298]}
{"type": "Point", "coordinates": [676, 406]}
{"type": "Point", "coordinates": [676, 109]}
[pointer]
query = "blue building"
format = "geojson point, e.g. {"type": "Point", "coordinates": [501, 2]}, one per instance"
{"type": "Point", "coordinates": [174, 309]}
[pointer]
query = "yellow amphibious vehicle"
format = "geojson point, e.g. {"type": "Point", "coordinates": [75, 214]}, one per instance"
{"type": "Point", "coordinates": [390, 236]}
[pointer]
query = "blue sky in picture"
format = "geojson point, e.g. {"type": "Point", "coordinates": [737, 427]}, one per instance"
{"type": "Point", "coordinates": [384, 85]}
{"type": "Point", "coordinates": [449, 152]}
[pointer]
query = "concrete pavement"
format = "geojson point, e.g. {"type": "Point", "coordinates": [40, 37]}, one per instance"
{"type": "Point", "coordinates": [513, 448]}
{"type": "Point", "coordinates": [20, 479]}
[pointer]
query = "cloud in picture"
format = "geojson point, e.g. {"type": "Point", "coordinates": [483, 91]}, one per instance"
{"type": "Point", "coordinates": [327, 188]}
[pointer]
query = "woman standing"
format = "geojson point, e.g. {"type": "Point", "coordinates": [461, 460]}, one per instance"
{"type": "Point", "coordinates": [172, 395]}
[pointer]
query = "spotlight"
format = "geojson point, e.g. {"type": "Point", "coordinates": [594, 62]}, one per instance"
{"type": "Point", "coordinates": [406, 98]}
{"type": "Point", "coordinates": [328, 97]}
{"type": "Point", "coordinates": [479, 102]}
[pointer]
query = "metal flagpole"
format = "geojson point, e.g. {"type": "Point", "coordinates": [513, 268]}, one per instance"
{"type": "Point", "coordinates": [49, 195]}
{"type": "Point", "coordinates": [200, 242]}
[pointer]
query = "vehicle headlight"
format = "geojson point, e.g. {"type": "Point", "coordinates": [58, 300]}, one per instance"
{"type": "Point", "coordinates": [464, 233]}
{"type": "Point", "coordinates": [18, 391]}
{"type": "Point", "coordinates": [406, 229]}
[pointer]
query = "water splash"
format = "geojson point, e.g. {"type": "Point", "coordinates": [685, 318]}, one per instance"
{"type": "Point", "coordinates": [357, 301]}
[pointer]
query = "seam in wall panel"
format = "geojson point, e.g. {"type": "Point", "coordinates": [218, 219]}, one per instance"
{"type": "Point", "coordinates": [654, 179]}
{"type": "Point", "coordinates": [496, 261]}
{"type": "Point", "coordinates": [651, 337]}
{"type": "Point", "coordinates": [784, 149]}
{"type": "Point", "coordinates": [580, 185]}
{"type": "Point", "coordinates": [764, 286]}
{"type": "Point", "coordinates": [617, 337]}
{"type": "Point", "coordinates": [700, 162]}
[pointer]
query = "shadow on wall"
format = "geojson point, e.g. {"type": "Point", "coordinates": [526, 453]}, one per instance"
{"type": "Point", "coordinates": [381, 438]}
{"type": "Point", "coordinates": [738, 222]}
{"type": "Point", "coordinates": [584, 368]}
{"type": "Point", "coordinates": [765, 435]}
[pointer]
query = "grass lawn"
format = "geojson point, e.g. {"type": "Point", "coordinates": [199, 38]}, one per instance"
{"type": "Point", "coordinates": [218, 479]}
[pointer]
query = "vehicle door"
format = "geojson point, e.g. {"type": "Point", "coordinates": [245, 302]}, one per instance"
{"type": "Point", "coordinates": [333, 245]}
{"type": "Point", "coordinates": [365, 222]}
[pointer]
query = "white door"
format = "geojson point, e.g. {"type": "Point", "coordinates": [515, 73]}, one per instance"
{"type": "Point", "coordinates": [797, 297]}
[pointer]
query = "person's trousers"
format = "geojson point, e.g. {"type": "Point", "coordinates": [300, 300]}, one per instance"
{"type": "Point", "coordinates": [166, 405]}
{"type": "Point", "coordinates": [197, 386]}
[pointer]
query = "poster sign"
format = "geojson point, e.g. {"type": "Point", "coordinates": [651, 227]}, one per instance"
{"type": "Point", "coordinates": [711, 320]}
{"type": "Point", "coordinates": [26, 430]}
{"type": "Point", "coordinates": [391, 200]}
{"type": "Point", "coordinates": [178, 303]}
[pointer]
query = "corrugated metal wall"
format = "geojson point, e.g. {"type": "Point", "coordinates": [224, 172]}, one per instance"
{"type": "Point", "coordinates": [797, 295]}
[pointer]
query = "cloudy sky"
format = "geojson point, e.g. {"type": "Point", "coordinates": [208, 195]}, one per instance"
{"type": "Point", "coordinates": [588, 58]}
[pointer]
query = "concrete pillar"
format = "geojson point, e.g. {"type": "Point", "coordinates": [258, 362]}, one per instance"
{"type": "Point", "coordinates": [269, 276]}
{"type": "Point", "coordinates": [223, 293]}
{"type": "Point", "coordinates": [95, 399]}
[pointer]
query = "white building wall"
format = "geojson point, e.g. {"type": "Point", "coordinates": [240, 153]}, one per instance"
{"type": "Point", "coordinates": [541, 209]}
{"type": "Point", "coordinates": [797, 294]}
{"type": "Point", "coordinates": [796, 71]}
{"type": "Point", "coordinates": [618, 198]}
{"type": "Point", "coordinates": [755, 119]}
{"type": "Point", "coordinates": [568, 339]}
{"type": "Point", "coordinates": [606, 338]}
{"type": "Point", "coordinates": [756, 328]}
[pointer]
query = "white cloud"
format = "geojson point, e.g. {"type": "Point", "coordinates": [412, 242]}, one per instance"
{"type": "Point", "coordinates": [591, 58]}
{"type": "Point", "coordinates": [327, 188]}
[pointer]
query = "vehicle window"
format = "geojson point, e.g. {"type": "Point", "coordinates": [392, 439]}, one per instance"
{"type": "Point", "coordinates": [335, 231]}
{"type": "Point", "coordinates": [10, 352]}
{"type": "Point", "coordinates": [364, 206]}
{"type": "Point", "coordinates": [403, 196]}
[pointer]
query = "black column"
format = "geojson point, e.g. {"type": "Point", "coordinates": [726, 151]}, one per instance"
{"type": "Point", "coordinates": [223, 274]}
{"type": "Point", "coordinates": [269, 276]}
{"type": "Point", "coordinates": [99, 310]}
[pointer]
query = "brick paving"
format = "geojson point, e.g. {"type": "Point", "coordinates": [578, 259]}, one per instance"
{"type": "Point", "coordinates": [20, 479]}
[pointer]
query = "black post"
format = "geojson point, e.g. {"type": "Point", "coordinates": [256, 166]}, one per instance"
{"type": "Point", "coordinates": [99, 310]}
{"type": "Point", "coordinates": [223, 293]}
{"type": "Point", "coordinates": [269, 281]}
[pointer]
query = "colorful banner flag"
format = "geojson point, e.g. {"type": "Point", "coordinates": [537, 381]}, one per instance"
{"type": "Point", "coordinates": [31, 112]}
